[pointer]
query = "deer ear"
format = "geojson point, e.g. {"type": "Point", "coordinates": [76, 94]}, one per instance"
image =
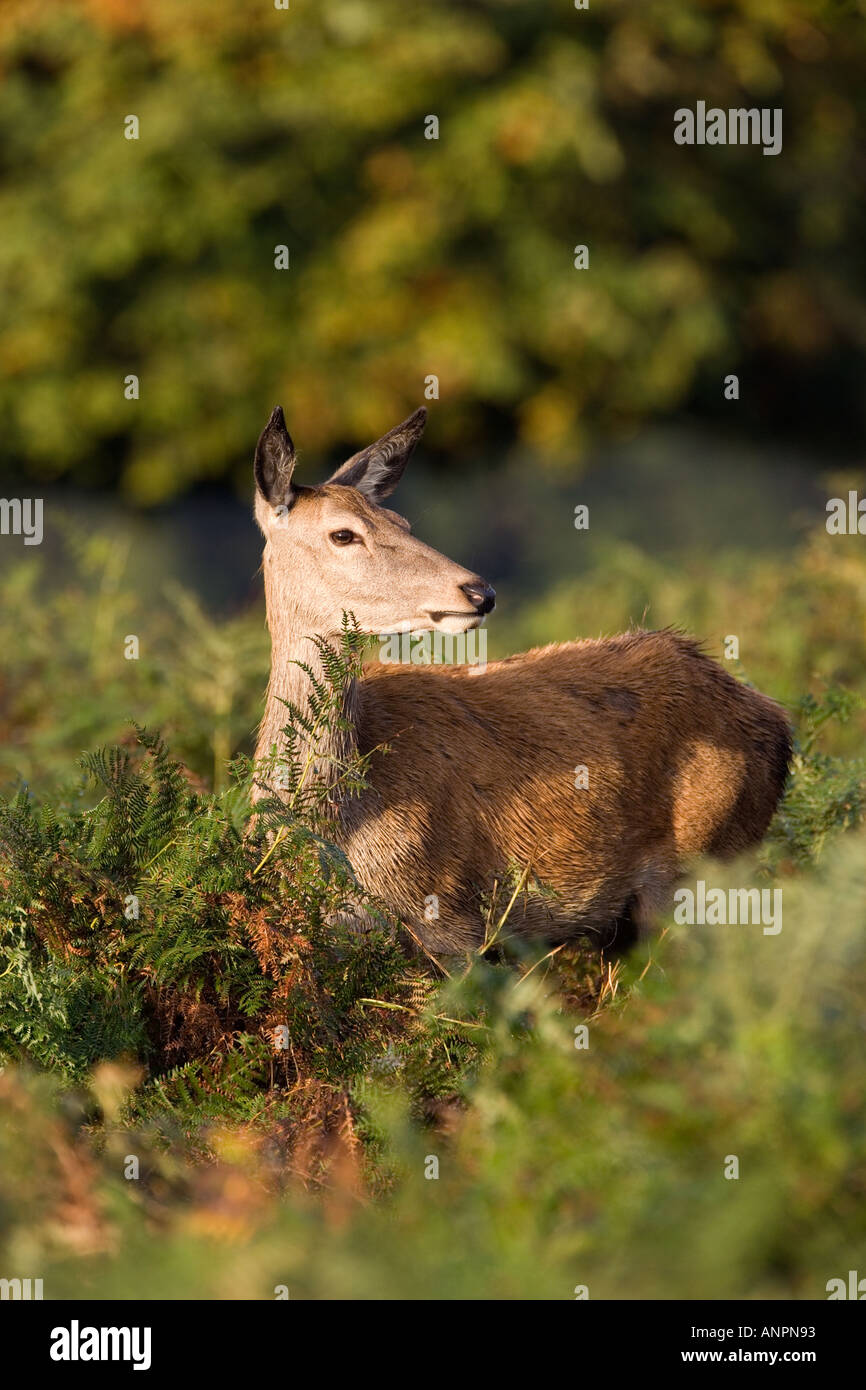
{"type": "Point", "coordinates": [275, 462]}
{"type": "Point", "coordinates": [377, 470]}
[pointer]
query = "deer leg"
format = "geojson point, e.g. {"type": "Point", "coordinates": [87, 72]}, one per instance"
{"type": "Point", "coordinates": [354, 919]}
{"type": "Point", "coordinates": [624, 932]}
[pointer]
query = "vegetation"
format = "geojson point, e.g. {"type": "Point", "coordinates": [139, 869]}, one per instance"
{"type": "Point", "coordinates": [305, 128]}
{"type": "Point", "coordinates": [174, 990]}
{"type": "Point", "coordinates": [209, 1087]}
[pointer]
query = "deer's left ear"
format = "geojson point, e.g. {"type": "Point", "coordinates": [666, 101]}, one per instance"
{"type": "Point", "coordinates": [275, 461]}
{"type": "Point", "coordinates": [377, 470]}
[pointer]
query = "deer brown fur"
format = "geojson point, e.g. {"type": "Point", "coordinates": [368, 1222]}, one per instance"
{"type": "Point", "coordinates": [481, 774]}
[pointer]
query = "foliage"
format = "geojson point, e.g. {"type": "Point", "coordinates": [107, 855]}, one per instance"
{"type": "Point", "coordinates": [827, 793]}
{"type": "Point", "coordinates": [337, 1112]}
{"type": "Point", "coordinates": [602, 1167]}
{"type": "Point", "coordinates": [409, 256]}
{"type": "Point", "coordinates": [162, 1037]}
{"type": "Point", "coordinates": [159, 1037]}
{"type": "Point", "coordinates": [308, 779]}
{"type": "Point", "coordinates": [161, 925]}
{"type": "Point", "coordinates": [67, 686]}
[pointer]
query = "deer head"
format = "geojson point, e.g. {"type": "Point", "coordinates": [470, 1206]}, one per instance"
{"type": "Point", "coordinates": [334, 548]}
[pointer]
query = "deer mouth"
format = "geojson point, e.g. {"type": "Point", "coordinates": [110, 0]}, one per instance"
{"type": "Point", "coordinates": [454, 620]}
{"type": "Point", "coordinates": [471, 617]}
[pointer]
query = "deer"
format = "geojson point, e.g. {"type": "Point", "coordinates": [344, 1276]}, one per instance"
{"type": "Point", "coordinates": [473, 771]}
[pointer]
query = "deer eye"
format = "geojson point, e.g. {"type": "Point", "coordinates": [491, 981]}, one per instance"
{"type": "Point", "coordinates": [343, 537]}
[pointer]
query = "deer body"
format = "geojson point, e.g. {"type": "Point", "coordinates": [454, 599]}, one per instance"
{"type": "Point", "coordinates": [598, 766]}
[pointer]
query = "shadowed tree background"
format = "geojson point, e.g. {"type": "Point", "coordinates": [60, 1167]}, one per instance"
{"type": "Point", "coordinates": [305, 128]}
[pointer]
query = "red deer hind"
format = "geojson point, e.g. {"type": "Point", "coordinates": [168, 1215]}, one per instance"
{"type": "Point", "coordinates": [680, 758]}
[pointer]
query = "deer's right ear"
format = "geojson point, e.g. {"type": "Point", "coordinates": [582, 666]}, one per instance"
{"type": "Point", "coordinates": [275, 462]}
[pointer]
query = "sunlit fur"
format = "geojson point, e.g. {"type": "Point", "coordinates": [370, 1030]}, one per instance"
{"type": "Point", "coordinates": [681, 759]}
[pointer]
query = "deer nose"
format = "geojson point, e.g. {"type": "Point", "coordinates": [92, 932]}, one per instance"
{"type": "Point", "coordinates": [480, 595]}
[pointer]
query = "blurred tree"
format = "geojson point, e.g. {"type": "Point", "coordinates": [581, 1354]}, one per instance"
{"type": "Point", "coordinates": [409, 256]}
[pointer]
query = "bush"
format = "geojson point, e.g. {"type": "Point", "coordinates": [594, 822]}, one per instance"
{"type": "Point", "coordinates": [554, 1166]}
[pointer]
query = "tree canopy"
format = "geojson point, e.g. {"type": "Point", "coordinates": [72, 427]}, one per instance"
{"type": "Point", "coordinates": [411, 257]}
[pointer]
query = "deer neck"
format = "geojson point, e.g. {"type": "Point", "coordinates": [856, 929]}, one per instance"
{"type": "Point", "coordinates": [324, 752]}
